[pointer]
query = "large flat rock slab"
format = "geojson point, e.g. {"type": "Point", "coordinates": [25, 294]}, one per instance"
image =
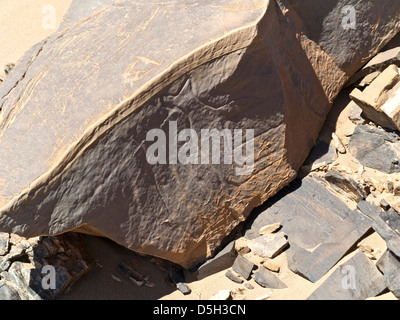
{"type": "Point", "coordinates": [77, 111]}
{"type": "Point", "coordinates": [73, 107]}
{"type": "Point", "coordinates": [355, 279]}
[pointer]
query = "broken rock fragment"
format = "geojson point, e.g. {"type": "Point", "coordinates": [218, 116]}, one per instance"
{"type": "Point", "coordinates": [345, 185]}
{"type": "Point", "coordinates": [224, 259]}
{"type": "Point", "coordinates": [380, 100]}
{"type": "Point", "coordinates": [243, 267]}
{"type": "Point", "coordinates": [231, 276]}
{"type": "Point", "coordinates": [268, 280]}
{"type": "Point", "coordinates": [269, 245]}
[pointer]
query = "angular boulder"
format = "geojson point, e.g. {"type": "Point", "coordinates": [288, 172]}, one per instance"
{"type": "Point", "coordinates": [380, 100]}
{"type": "Point", "coordinates": [79, 110]}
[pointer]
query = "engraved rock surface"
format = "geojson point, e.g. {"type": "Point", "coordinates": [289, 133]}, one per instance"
{"type": "Point", "coordinates": [76, 111]}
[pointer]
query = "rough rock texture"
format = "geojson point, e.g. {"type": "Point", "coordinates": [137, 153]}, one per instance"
{"type": "Point", "coordinates": [77, 108]}
{"type": "Point", "coordinates": [23, 266]}
{"type": "Point", "coordinates": [375, 148]}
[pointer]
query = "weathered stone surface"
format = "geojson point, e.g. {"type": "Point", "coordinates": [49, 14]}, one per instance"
{"type": "Point", "coordinates": [375, 148]}
{"type": "Point", "coordinates": [308, 207]}
{"type": "Point", "coordinates": [243, 267]}
{"type": "Point", "coordinates": [356, 279]}
{"type": "Point", "coordinates": [80, 10]}
{"type": "Point", "coordinates": [389, 265]}
{"type": "Point", "coordinates": [85, 99]}
{"type": "Point", "coordinates": [27, 262]}
{"type": "Point", "coordinates": [267, 280]}
{"type": "Point", "coordinates": [338, 144]}
{"type": "Point", "coordinates": [224, 259]}
{"type": "Point", "coordinates": [269, 245]}
{"type": "Point", "coordinates": [345, 185]}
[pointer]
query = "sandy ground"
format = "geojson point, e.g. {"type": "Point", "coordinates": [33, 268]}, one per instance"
{"type": "Point", "coordinates": [24, 23]}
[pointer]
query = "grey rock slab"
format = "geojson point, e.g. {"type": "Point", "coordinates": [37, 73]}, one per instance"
{"type": "Point", "coordinates": [375, 148]}
{"type": "Point", "coordinates": [389, 265]}
{"type": "Point", "coordinates": [269, 245]}
{"type": "Point", "coordinates": [223, 260]}
{"type": "Point", "coordinates": [80, 10]}
{"type": "Point", "coordinates": [345, 185]}
{"type": "Point", "coordinates": [355, 279]}
{"type": "Point", "coordinates": [266, 279]}
{"type": "Point", "coordinates": [243, 267]}
{"type": "Point", "coordinates": [307, 207]}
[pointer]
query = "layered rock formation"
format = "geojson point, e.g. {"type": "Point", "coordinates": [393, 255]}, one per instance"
{"type": "Point", "coordinates": [77, 111]}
